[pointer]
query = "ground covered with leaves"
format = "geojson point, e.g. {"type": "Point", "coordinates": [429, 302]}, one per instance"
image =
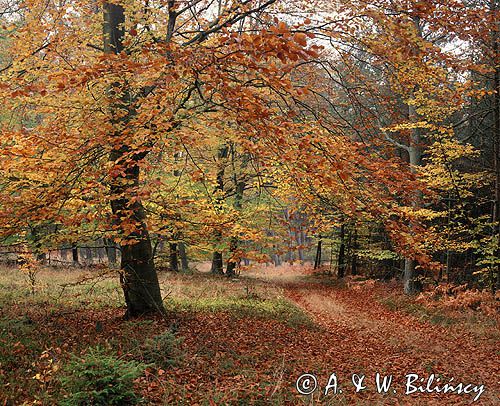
{"type": "Point", "coordinates": [241, 341]}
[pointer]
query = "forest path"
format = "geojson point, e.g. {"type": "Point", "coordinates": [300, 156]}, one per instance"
{"type": "Point", "coordinates": [361, 335]}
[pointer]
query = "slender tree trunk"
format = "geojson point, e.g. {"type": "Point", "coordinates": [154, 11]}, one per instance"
{"type": "Point", "coordinates": [412, 284]}
{"type": "Point", "coordinates": [341, 258]}
{"type": "Point", "coordinates": [233, 261]}
{"type": "Point", "coordinates": [74, 253]}
{"type": "Point", "coordinates": [217, 261]}
{"type": "Point", "coordinates": [317, 260]}
{"type": "Point", "coordinates": [36, 235]}
{"type": "Point", "coordinates": [174, 258]}
{"type": "Point", "coordinates": [300, 238]}
{"type": "Point", "coordinates": [183, 256]}
{"type": "Point", "coordinates": [354, 256]}
{"type": "Point", "coordinates": [233, 245]}
{"type": "Point", "coordinates": [138, 275]}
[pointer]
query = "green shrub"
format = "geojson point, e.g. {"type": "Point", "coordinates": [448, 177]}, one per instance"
{"type": "Point", "coordinates": [162, 350]}
{"type": "Point", "coordinates": [100, 379]}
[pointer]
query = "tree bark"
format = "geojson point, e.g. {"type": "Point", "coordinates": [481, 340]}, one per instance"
{"type": "Point", "coordinates": [138, 275]}
{"type": "Point", "coordinates": [412, 284]}
{"type": "Point", "coordinates": [341, 257]}
{"type": "Point", "coordinates": [233, 244]}
{"type": "Point", "coordinates": [174, 258]}
{"type": "Point", "coordinates": [354, 257]}
{"type": "Point", "coordinates": [317, 260]}
{"type": "Point", "coordinates": [300, 238]}
{"type": "Point", "coordinates": [36, 235]}
{"type": "Point", "coordinates": [217, 261]}
{"type": "Point", "coordinates": [232, 262]}
{"type": "Point", "coordinates": [183, 256]}
{"type": "Point", "coordinates": [74, 253]}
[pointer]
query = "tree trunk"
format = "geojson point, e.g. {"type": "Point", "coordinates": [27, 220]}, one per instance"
{"type": "Point", "coordinates": [232, 262]}
{"type": "Point", "coordinates": [74, 253]}
{"type": "Point", "coordinates": [412, 284]}
{"type": "Point", "coordinates": [217, 263]}
{"type": "Point", "coordinates": [300, 238]}
{"type": "Point", "coordinates": [233, 244]}
{"type": "Point", "coordinates": [138, 275]}
{"type": "Point", "coordinates": [174, 259]}
{"type": "Point", "coordinates": [341, 258]}
{"type": "Point", "coordinates": [36, 235]}
{"type": "Point", "coordinates": [410, 279]}
{"type": "Point", "coordinates": [354, 256]}
{"type": "Point", "coordinates": [183, 256]}
{"type": "Point", "coordinates": [317, 260]}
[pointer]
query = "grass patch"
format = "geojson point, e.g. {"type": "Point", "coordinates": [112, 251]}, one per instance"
{"type": "Point", "coordinates": [56, 288]}
{"type": "Point", "coordinates": [278, 309]}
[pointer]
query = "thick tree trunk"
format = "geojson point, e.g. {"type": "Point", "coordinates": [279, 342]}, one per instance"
{"type": "Point", "coordinates": [139, 279]}
{"type": "Point", "coordinates": [341, 257]}
{"type": "Point", "coordinates": [138, 275]}
{"type": "Point", "coordinates": [174, 258]}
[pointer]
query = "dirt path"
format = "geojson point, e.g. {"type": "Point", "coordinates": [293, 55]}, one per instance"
{"type": "Point", "coordinates": [362, 336]}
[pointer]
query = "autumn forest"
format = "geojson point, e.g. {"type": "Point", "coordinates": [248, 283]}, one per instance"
{"type": "Point", "coordinates": [249, 202]}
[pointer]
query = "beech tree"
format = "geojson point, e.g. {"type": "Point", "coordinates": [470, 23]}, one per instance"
{"type": "Point", "coordinates": [160, 68]}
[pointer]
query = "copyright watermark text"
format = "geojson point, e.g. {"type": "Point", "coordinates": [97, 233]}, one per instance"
{"type": "Point", "coordinates": [307, 384]}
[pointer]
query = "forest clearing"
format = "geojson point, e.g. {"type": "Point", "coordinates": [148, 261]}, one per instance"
{"type": "Point", "coordinates": [249, 202]}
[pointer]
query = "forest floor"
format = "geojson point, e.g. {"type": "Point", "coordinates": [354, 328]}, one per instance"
{"type": "Point", "coordinates": [245, 341]}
